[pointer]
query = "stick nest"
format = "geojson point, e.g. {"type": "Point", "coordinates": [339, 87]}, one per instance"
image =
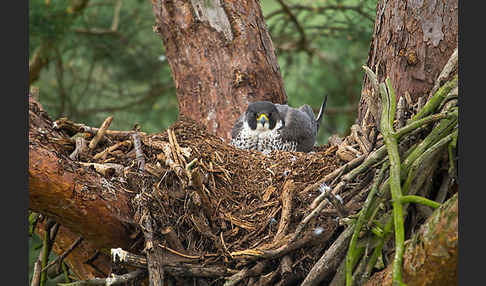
{"type": "Point", "coordinates": [213, 204]}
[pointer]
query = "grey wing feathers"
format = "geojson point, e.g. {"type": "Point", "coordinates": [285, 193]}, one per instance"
{"type": "Point", "coordinates": [308, 110]}
{"type": "Point", "coordinates": [299, 126]}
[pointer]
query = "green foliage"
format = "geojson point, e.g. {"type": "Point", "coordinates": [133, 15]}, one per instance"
{"type": "Point", "coordinates": [47, 21]}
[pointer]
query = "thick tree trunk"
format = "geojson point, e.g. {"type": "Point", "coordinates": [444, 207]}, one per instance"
{"type": "Point", "coordinates": [221, 57]}
{"type": "Point", "coordinates": [412, 42]}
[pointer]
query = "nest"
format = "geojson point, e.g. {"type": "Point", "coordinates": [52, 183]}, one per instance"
{"type": "Point", "coordinates": [208, 203]}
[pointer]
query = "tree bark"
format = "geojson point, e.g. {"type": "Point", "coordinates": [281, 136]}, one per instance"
{"type": "Point", "coordinates": [412, 42]}
{"type": "Point", "coordinates": [221, 57]}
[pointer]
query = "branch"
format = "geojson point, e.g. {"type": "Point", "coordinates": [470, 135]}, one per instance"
{"type": "Point", "coordinates": [71, 197]}
{"type": "Point", "coordinates": [114, 280]}
{"type": "Point", "coordinates": [330, 260]}
{"type": "Point", "coordinates": [387, 118]}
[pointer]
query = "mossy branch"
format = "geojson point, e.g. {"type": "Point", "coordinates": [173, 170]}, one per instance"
{"type": "Point", "coordinates": [419, 200]}
{"type": "Point", "coordinates": [387, 118]}
{"type": "Point", "coordinates": [436, 99]}
{"type": "Point", "coordinates": [364, 214]}
{"type": "Point", "coordinates": [425, 156]}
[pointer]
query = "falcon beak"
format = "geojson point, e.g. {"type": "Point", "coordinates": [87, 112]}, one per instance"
{"type": "Point", "coordinates": [262, 118]}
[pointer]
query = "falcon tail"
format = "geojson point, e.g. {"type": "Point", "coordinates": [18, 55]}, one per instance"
{"type": "Point", "coordinates": [321, 113]}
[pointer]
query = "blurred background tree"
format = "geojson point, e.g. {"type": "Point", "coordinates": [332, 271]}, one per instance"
{"type": "Point", "coordinates": [92, 59]}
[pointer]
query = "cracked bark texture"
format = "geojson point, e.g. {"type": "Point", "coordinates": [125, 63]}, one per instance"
{"type": "Point", "coordinates": [221, 57]}
{"type": "Point", "coordinates": [412, 42]}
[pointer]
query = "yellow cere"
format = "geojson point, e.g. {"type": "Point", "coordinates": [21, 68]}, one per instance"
{"type": "Point", "coordinates": [262, 115]}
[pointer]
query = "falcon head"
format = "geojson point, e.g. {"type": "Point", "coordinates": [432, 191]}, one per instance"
{"type": "Point", "coordinates": [263, 116]}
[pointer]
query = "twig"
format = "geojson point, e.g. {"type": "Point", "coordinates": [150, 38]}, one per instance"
{"type": "Point", "coordinates": [101, 132]}
{"type": "Point", "coordinates": [256, 270]}
{"type": "Point", "coordinates": [119, 255]}
{"type": "Point", "coordinates": [401, 112]}
{"type": "Point", "coordinates": [114, 280]}
{"type": "Point", "coordinates": [358, 136]}
{"type": "Point", "coordinates": [37, 271]}
{"type": "Point", "coordinates": [65, 271]}
{"type": "Point", "coordinates": [90, 261]}
{"type": "Point", "coordinates": [107, 169]}
{"type": "Point", "coordinates": [112, 148]}
{"type": "Point", "coordinates": [47, 247]}
{"type": "Point", "coordinates": [426, 155]}
{"type": "Point", "coordinates": [175, 269]}
{"type": "Point", "coordinates": [423, 121]}
{"type": "Point", "coordinates": [172, 239]}
{"type": "Point", "coordinates": [167, 158]}
{"type": "Point", "coordinates": [338, 205]}
{"type": "Point", "coordinates": [307, 240]}
{"type": "Point", "coordinates": [377, 251]}
{"type": "Point", "coordinates": [64, 254]}
{"type": "Point", "coordinates": [287, 195]}
{"type": "Point", "coordinates": [81, 146]}
{"type": "Point", "coordinates": [419, 200]}
{"type": "Point", "coordinates": [176, 148]}
{"type": "Point", "coordinates": [444, 188]}
{"type": "Point", "coordinates": [285, 270]}
{"type": "Point", "coordinates": [154, 266]}
{"type": "Point", "coordinates": [64, 123]}
{"type": "Point", "coordinates": [138, 151]}
{"type": "Point", "coordinates": [330, 260]}
{"type": "Point", "coordinates": [33, 220]}
{"type": "Point", "coordinates": [440, 131]}
{"type": "Point", "coordinates": [268, 279]}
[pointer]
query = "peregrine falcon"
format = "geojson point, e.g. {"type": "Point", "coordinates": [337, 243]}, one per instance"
{"type": "Point", "coordinates": [266, 126]}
